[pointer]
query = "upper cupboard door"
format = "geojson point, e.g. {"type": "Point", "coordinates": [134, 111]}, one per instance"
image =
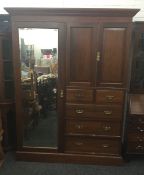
{"type": "Point", "coordinates": [81, 47]}
{"type": "Point", "coordinates": [113, 51]}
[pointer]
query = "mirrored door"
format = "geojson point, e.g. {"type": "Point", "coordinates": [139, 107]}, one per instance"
{"type": "Point", "coordinates": [39, 83]}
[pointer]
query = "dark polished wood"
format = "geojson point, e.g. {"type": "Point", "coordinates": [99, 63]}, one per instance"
{"type": "Point", "coordinates": [92, 111]}
{"type": "Point", "coordinates": [136, 84]}
{"type": "Point", "coordinates": [92, 146]}
{"type": "Point", "coordinates": [136, 104]}
{"type": "Point", "coordinates": [113, 55]}
{"type": "Point", "coordinates": [93, 76]}
{"type": "Point", "coordinates": [109, 97]}
{"type": "Point", "coordinates": [7, 84]}
{"type": "Point", "coordinates": [93, 127]}
{"type": "Point", "coordinates": [79, 95]}
{"type": "Point", "coordinates": [69, 158]}
{"type": "Point", "coordinates": [135, 130]}
{"type": "Point", "coordinates": [1, 138]}
{"type": "Point", "coordinates": [81, 55]}
{"type": "Point", "coordinates": [73, 11]}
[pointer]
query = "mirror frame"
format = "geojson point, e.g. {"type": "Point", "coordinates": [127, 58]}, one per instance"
{"type": "Point", "coordinates": [17, 78]}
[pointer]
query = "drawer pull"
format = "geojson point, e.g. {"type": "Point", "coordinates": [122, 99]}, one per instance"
{"type": "Point", "coordinates": [139, 147]}
{"type": "Point", "coordinates": [107, 112]}
{"type": "Point", "coordinates": [79, 111]}
{"type": "Point", "coordinates": [79, 95]}
{"type": "Point", "coordinates": [109, 98]}
{"type": "Point", "coordinates": [105, 146]}
{"type": "Point", "coordinates": [141, 121]}
{"type": "Point", "coordinates": [139, 129]}
{"type": "Point", "coordinates": [140, 140]}
{"type": "Point", "coordinates": [79, 126]}
{"type": "Point", "coordinates": [78, 143]}
{"type": "Point", "coordinates": [107, 128]}
{"type": "Point", "coordinates": [93, 135]}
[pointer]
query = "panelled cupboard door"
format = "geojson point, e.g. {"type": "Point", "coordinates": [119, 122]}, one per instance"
{"type": "Point", "coordinates": [81, 49]}
{"type": "Point", "coordinates": [97, 55]}
{"type": "Point", "coordinates": [113, 53]}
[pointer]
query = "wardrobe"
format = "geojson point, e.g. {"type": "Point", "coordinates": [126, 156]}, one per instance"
{"type": "Point", "coordinates": [72, 69]}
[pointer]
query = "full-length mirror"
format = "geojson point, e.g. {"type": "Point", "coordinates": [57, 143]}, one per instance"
{"type": "Point", "coordinates": [39, 74]}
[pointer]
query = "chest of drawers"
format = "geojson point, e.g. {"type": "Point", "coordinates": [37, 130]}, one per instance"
{"type": "Point", "coordinates": [135, 134]}
{"type": "Point", "coordinates": [93, 121]}
{"type": "Point", "coordinates": [135, 129]}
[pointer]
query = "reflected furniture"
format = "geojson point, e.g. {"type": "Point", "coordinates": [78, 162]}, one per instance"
{"type": "Point", "coordinates": [92, 83]}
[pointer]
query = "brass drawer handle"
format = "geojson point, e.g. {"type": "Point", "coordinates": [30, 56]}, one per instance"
{"type": "Point", "coordinates": [105, 146]}
{"type": "Point", "coordinates": [139, 147]}
{"type": "Point", "coordinates": [107, 128]}
{"type": "Point", "coordinates": [109, 98]}
{"type": "Point", "coordinates": [140, 139]}
{"type": "Point", "coordinates": [79, 126]}
{"type": "Point", "coordinates": [79, 111]}
{"type": "Point", "coordinates": [78, 143]}
{"type": "Point", "coordinates": [139, 129]}
{"type": "Point", "coordinates": [141, 121]}
{"type": "Point", "coordinates": [79, 95]}
{"type": "Point", "coordinates": [107, 112]}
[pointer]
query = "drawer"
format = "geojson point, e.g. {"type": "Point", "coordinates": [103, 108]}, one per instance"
{"type": "Point", "coordinates": [135, 137]}
{"type": "Point", "coordinates": [94, 112]}
{"type": "Point", "coordinates": [136, 120]}
{"type": "Point", "coordinates": [109, 97]}
{"type": "Point", "coordinates": [136, 147]}
{"type": "Point", "coordinates": [92, 145]}
{"type": "Point", "coordinates": [93, 127]}
{"type": "Point", "coordinates": [79, 95]}
{"type": "Point", "coordinates": [136, 127]}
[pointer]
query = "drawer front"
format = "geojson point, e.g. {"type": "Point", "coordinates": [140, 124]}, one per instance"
{"type": "Point", "coordinates": [136, 127]}
{"type": "Point", "coordinates": [93, 128]}
{"type": "Point", "coordinates": [135, 137]}
{"type": "Point", "coordinates": [79, 96]}
{"type": "Point", "coordinates": [136, 147]}
{"type": "Point", "coordinates": [135, 121]}
{"type": "Point", "coordinates": [109, 97]}
{"type": "Point", "coordinates": [92, 145]}
{"type": "Point", "coordinates": [95, 112]}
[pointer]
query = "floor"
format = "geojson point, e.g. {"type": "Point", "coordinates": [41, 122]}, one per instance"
{"type": "Point", "coordinates": [13, 167]}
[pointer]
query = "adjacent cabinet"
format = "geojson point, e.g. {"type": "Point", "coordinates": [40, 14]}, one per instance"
{"type": "Point", "coordinates": [71, 71]}
{"type": "Point", "coordinates": [6, 85]}
{"type": "Point", "coordinates": [135, 119]}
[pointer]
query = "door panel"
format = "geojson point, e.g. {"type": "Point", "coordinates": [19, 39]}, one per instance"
{"type": "Point", "coordinates": [80, 55]}
{"type": "Point", "coordinates": [113, 56]}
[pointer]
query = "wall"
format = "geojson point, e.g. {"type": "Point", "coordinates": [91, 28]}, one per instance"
{"type": "Point", "coordinates": [78, 3]}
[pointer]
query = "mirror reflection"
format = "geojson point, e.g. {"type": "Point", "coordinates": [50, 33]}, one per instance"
{"type": "Point", "coordinates": [39, 73]}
